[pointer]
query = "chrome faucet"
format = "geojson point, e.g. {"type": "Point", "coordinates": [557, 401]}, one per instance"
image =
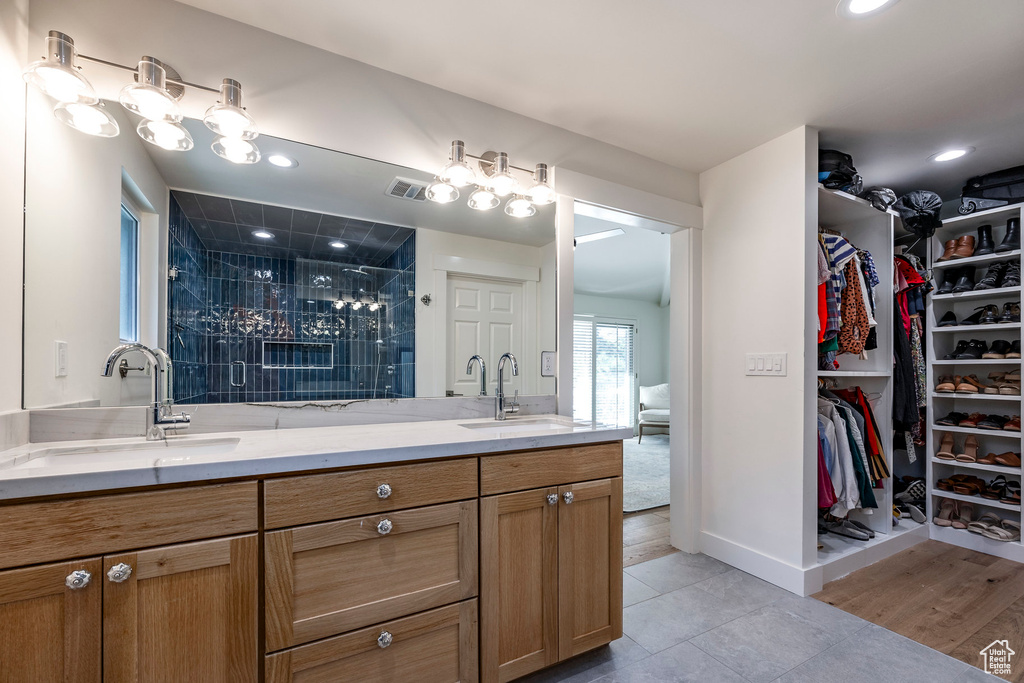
{"type": "Point", "coordinates": [159, 418]}
{"type": "Point", "coordinates": [500, 409]}
{"type": "Point", "coordinates": [483, 372]}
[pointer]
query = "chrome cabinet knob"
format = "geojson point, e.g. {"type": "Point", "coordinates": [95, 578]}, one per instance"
{"type": "Point", "coordinates": [384, 527]}
{"type": "Point", "coordinates": [119, 573]}
{"type": "Point", "coordinates": [78, 579]}
{"type": "Point", "coordinates": [567, 497]}
{"type": "Point", "coordinates": [383, 491]}
{"type": "Point", "coordinates": [552, 498]}
{"type": "Point", "coordinates": [384, 639]}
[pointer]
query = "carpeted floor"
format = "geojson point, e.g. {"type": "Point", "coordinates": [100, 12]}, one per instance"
{"type": "Point", "coordinates": [645, 476]}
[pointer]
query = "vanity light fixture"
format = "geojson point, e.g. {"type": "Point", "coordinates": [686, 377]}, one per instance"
{"type": "Point", "coordinates": [339, 304]}
{"type": "Point", "coordinates": [337, 244]}
{"type": "Point", "coordinates": [497, 181]}
{"type": "Point", "coordinates": [236, 150]}
{"type": "Point", "coordinates": [374, 306]}
{"type": "Point", "coordinates": [170, 136]}
{"type": "Point", "coordinates": [951, 154]}
{"type": "Point", "coordinates": [91, 119]}
{"type": "Point", "coordinates": [262, 234]}
{"type": "Point", "coordinates": [234, 126]}
{"type": "Point", "coordinates": [281, 161]}
{"type": "Point", "coordinates": [857, 9]}
{"type": "Point", "coordinates": [356, 305]}
{"type": "Point", "coordinates": [149, 98]}
{"type": "Point", "coordinates": [57, 75]}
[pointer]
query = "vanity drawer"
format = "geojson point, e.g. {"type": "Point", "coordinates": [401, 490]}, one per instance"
{"type": "Point", "coordinates": [326, 579]}
{"type": "Point", "coordinates": [439, 646]}
{"type": "Point", "coordinates": [551, 467]}
{"type": "Point", "coordinates": [57, 530]}
{"type": "Point", "coordinates": [320, 497]}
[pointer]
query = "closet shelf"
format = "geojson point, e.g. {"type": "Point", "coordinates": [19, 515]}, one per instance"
{"type": "Point", "coordinates": [853, 373]}
{"type": "Point", "coordinates": [977, 328]}
{"type": "Point", "coordinates": [977, 500]}
{"type": "Point", "coordinates": [1001, 433]}
{"type": "Point", "coordinates": [1001, 291]}
{"type": "Point", "coordinates": [1000, 469]}
{"type": "Point", "coordinates": [977, 397]}
{"type": "Point", "coordinates": [1012, 550]}
{"type": "Point", "coordinates": [976, 260]}
{"type": "Point", "coordinates": [979, 361]}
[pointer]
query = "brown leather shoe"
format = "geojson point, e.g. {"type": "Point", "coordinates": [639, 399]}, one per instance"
{"type": "Point", "coordinates": [990, 459]}
{"type": "Point", "coordinates": [972, 420]}
{"type": "Point", "coordinates": [950, 247]}
{"type": "Point", "coordinates": [1013, 425]}
{"type": "Point", "coordinates": [1009, 458]}
{"type": "Point", "coordinates": [964, 247]}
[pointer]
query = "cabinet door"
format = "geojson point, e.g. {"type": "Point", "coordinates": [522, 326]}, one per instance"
{"type": "Point", "coordinates": [437, 646]}
{"type": "Point", "coordinates": [518, 583]}
{"type": "Point", "coordinates": [185, 613]}
{"type": "Point", "coordinates": [589, 565]}
{"type": "Point", "coordinates": [50, 631]}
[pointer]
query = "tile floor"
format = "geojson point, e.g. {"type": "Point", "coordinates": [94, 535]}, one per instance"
{"type": "Point", "coordinates": [693, 618]}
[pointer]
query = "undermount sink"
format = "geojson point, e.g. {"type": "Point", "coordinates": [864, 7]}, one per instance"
{"type": "Point", "coordinates": [515, 425]}
{"type": "Point", "coordinates": [155, 452]}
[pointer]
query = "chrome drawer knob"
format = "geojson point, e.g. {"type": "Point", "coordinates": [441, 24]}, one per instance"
{"type": "Point", "coordinates": [384, 527]}
{"type": "Point", "coordinates": [78, 579]}
{"type": "Point", "coordinates": [567, 497]}
{"type": "Point", "coordinates": [384, 639]}
{"type": "Point", "coordinates": [552, 498]}
{"type": "Point", "coordinates": [383, 491]}
{"type": "Point", "coordinates": [119, 573]}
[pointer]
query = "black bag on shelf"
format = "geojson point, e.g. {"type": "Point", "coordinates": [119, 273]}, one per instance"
{"type": "Point", "coordinates": [880, 197]}
{"type": "Point", "coordinates": [919, 211]}
{"type": "Point", "coordinates": [836, 171]}
{"type": "Point", "coordinates": [992, 189]}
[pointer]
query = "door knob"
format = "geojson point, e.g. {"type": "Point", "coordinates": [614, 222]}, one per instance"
{"type": "Point", "coordinates": [384, 527]}
{"type": "Point", "coordinates": [567, 497]}
{"type": "Point", "coordinates": [78, 579]}
{"type": "Point", "coordinates": [119, 573]}
{"type": "Point", "coordinates": [552, 498]}
{"type": "Point", "coordinates": [384, 639]}
{"type": "Point", "coordinates": [383, 491]}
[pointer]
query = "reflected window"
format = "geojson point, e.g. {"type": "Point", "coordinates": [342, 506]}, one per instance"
{"type": "Point", "coordinates": [604, 371]}
{"type": "Point", "coordinates": [129, 276]}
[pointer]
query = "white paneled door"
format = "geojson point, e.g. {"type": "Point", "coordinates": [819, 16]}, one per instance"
{"type": "Point", "coordinates": [485, 317]}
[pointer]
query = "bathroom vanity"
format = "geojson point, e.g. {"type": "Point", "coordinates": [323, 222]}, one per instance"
{"type": "Point", "coordinates": [438, 551]}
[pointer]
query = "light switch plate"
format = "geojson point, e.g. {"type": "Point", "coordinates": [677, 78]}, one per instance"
{"type": "Point", "coordinates": [60, 353]}
{"type": "Point", "coordinates": [547, 363]}
{"type": "Point", "coordinates": [766, 364]}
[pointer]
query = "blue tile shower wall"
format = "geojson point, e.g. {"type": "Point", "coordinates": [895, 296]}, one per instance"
{"type": "Point", "coordinates": [269, 329]}
{"type": "Point", "coordinates": [186, 309]}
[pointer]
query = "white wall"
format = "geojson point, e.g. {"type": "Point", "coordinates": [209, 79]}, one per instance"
{"type": "Point", "coordinates": [754, 475]}
{"type": "Point", "coordinates": [13, 56]}
{"type": "Point", "coordinates": [431, 321]}
{"type": "Point", "coordinates": [73, 245]}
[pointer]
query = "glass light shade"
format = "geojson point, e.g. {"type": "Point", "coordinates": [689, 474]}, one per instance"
{"type": "Point", "coordinates": [339, 304]}
{"type": "Point", "coordinates": [170, 136]}
{"type": "Point", "coordinates": [457, 172]}
{"type": "Point", "coordinates": [356, 305]}
{"type": "Point", "coordinates": [149, 97]}
{"type": "Point", "coordinates": [374, 306]}
{"type": "Point", "coordinates": [501, 182]}
{"type": "Point", "coordinates": [56, 74]}
{"type": "Point", "coordinates": [227, 117]}
{"type": "Point", "coordinates": [482, 200]}
{"type": "Point", "coordinates": [520, 207]}
{"type": "Point", "coordinates": [91, 119]}
{"type": "Point", "coordinates": [541, 192]}
{"type": "Point", "coordinates": [236, 150]}
{"type": "Point", "coordinates": [442, 192]}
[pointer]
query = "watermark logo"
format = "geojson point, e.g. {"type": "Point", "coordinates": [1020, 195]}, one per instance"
{"type": "Point", "coordinates": [997, 657]}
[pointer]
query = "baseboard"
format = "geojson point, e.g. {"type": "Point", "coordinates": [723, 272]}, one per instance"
{"type": "Point", "coordinates": [770, 569]}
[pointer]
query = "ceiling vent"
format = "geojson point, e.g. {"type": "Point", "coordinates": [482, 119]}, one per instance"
{"type": "Point", "coordinates": [404, 188]}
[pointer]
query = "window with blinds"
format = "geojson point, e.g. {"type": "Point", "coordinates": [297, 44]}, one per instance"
{"type": "Point", "coordinates": [604, 374]}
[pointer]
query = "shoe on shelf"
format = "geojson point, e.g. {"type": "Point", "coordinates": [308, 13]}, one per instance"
{"type": "Point", "coordinates": [976, 348]}
{"type": "Point", "coordinates": [947, 508]}
{"type": "Point", "coordinates": [983, 523]}
{"type": "Point", "coordinates": [1013, 424]}
{"type": "Point", "coordinates": [951, 420]}
{"type": "Point", "coordinates": [985, 244]}
{"type": "Point", "coordinates": [965, 283]}
{"type": "Point", "coordinates": [961, 347]}
{"type": "Point", "coordinates": [947, 384]}
{"type": "Point", "coordinates": [993, 422]}
{"type": "Point", "coordinates": [1009, 458]}
{"type": "Point", "coordinates": [948, 320]}
{"type": "Point", "coordinates": [1011, 494]}
{"type": "Point", "coordinates": [1012, 277]}
{"type": "Point", "coordinates": [949, 279]}
{"type": "Point", "coordinates": [999, 349]}
{"type": "Point", "coordinates": [972, 420]}
{"type": "Point", "coordinates": [950, 247]}
{"type": "Point", "coordinates": [989, 459]}
{"type": "Point", "coordinates": [1011, 240]}
{"type": "Point", "coordinates": [976, 317]}
{"type": "Point", "coordinates": [945, 451]}
{"type": "Point", "coordinates": [993, 277]}
{"type": "Point", "coordinates": [1014, 349]}
{"type": "Point", "coordinates": [970, 384]}
{"type": "Point", "coordinates": [1005, 531]}
{"type": "Point", "coordinates": [1011, 312]}
{"type": "Point", "coordinates": [969, 453]}
{"type": "Point", "coordinates": [968, 485]}
{"type": "Point", "coordinates": [965, 516]}
{"type": "Point", "coordinates": [964, 247]}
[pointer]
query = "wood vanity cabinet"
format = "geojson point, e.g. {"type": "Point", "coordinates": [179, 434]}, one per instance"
{"type": "Point", "coordinates": [550, 559]}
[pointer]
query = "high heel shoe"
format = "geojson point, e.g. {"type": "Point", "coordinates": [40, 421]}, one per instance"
{"type": "Point", "coordinates": [947, 508]}
{"type": "Point", "coordinates": [970, 450]}
{"type": "Point", "coordinates": [945, 451]}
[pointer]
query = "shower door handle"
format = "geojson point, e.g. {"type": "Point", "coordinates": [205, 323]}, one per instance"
{"type": "Point", "coordinates": [232, 378]}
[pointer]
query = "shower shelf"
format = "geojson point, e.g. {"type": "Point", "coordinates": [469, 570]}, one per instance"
{"type": "Point", "coordinates": [293, 355]}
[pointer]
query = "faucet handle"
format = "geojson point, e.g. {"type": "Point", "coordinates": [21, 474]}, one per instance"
{"type": "Point", "coordinates": [513, 406]}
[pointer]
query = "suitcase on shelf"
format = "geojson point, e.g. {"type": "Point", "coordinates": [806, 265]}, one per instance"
{"type": "Point", "coordinates": [992, 189]}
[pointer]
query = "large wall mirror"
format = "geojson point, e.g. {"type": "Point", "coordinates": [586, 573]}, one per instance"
{"type": "Point", "coordinates": [329, 280]}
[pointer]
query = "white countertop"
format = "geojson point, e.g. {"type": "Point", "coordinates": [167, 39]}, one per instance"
{"type": "Point", "coordinates": [44, 469]}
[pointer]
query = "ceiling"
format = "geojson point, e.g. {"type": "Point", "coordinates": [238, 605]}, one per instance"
{"type": "Point", "coordinates": [334, 183]}
{"type": "Point", "coordinates": [694, 84]}
{"type": "Point", "coordinates": [631, 266]}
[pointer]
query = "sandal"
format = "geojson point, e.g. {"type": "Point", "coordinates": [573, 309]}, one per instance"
{"type": "Point", "coordinates": [946, 510]}
{"type": "Point", "coordinates": [966, 513]}
{"type": "Point", "coordinates": [1011, 493]}
{"type": "Point", "coordinates": [971, 486]}
{"type": "Point", "coordinates": [946, 448]}
{"type": "Point", "coordinates": [1006, 531]}
{"type": "Point", "coordinates": [1013, 424]}
{"type": "Point", "coordinates": [970, 450]}
{"type": "Point", "coordinates": [1009, 459]}
{"type": "Point", "coordinates": [996, 489]}
{"type": "Point", "coordinates": [944, 485]}
{"type": "Point", "coordinates": [988, 519]}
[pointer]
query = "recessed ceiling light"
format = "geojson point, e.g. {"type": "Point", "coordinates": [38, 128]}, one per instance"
{"type": "Point", "coordinates": [951, 154]}
{"type": "Point", "coordinates": [262, 234]}
{"type": "Point", "coordinates": [339, 245]}
{"type": "Point", "coordinates": [282, 161]}
{"type": "Point", "coordinates": [862, 8]}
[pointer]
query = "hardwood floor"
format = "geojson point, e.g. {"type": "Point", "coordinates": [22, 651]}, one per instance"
{"type": "Point", "coordinates": [645, 536]}
{"type": "Point", "coordinates": [949, 598]}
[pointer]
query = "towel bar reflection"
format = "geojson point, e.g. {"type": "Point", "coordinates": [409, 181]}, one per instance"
{"type": "Point", "coordinates": [232, 378]}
